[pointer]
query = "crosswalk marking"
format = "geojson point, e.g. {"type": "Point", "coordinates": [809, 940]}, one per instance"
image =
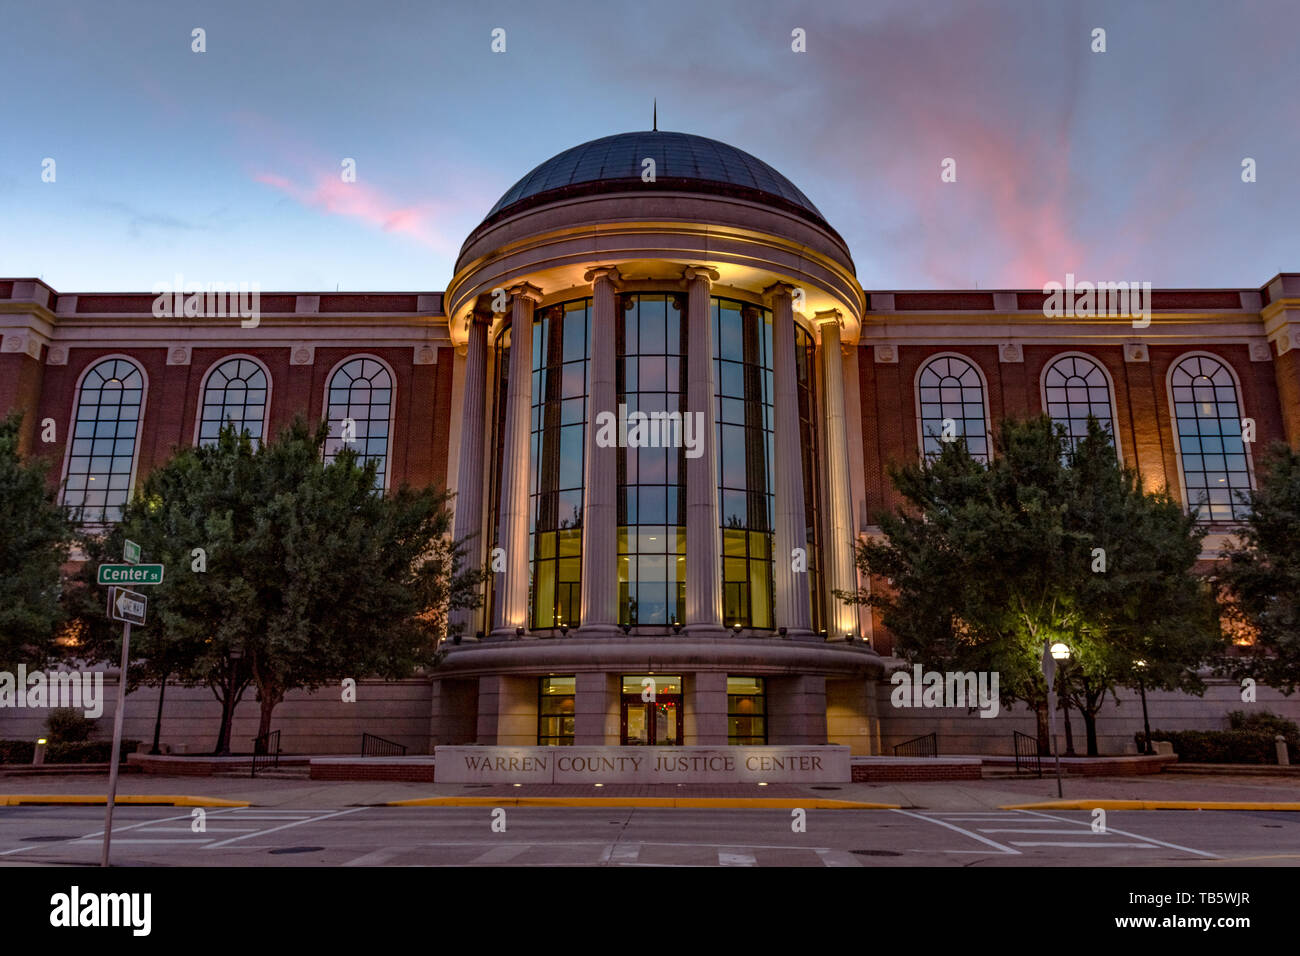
{"type": "Point", "coordinates": [838, 858]}
{"type": "Point", "coordinates": [736, 859]}
{"type": "Point", "coordinates": [501, 854]}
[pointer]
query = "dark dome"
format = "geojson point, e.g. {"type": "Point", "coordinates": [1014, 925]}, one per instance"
{"type": "Point", "coordinates": [682, 162]}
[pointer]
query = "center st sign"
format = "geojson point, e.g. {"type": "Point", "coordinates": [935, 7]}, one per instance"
{"type": "Point", "coordinates": [130, 574]}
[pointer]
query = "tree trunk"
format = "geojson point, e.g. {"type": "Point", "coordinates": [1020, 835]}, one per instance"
{"type": "Point", "coordinates": [268, 700]}
{"type": "Point", "coordinates": [157, 724]}
{"type": "Point", "coordinates": [1090, 728]}
{"type": "Point", "coordinates": [1044, 734]}
{"type": "Point", "coordinates": [1069, 731]}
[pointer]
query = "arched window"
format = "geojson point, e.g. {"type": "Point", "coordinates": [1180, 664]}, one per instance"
{"type": "Point", "coordinates": [235, 391]}
{"type": "Point", "coordinates": [1211, 455]}
{"type": "Point", "coordinates": [1074, 387]}
{"type": "Point", "coordinates": [101, 459]}
{"type": "Point", "coordinates": [950, 394]}
{"type": "Point", "coordinates": [360, 411]}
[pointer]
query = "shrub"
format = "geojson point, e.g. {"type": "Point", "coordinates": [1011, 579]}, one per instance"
{"type": "Point", "coordinates": [90, 751]}
{"type": "Point", "coordinates": [1224, 746]}
{"type": "Point", "coordinates": [68, 726]}
{"type": "Point", "coordinates": [1264, 721]}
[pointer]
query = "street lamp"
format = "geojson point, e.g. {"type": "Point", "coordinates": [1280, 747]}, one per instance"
{"type": "Point", "coordinates": [1052, 654]}
{"type": "Point", "coordinates": [1141, 667]}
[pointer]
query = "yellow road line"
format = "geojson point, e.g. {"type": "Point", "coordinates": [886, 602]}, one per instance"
{"type": "Point", "coordinates": [166, 800]}
{"type": "Point", "coordinates": [737, 803]}
{"type": "Point", "coordinates": [1150, 805]}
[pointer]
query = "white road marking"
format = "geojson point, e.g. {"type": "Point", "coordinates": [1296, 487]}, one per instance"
{"type": "Point", "coordinates": [625, 853]}
{"type": "Point", "coordinates": [116, 830]}
{"type": "Point", "coordinates": [117, 840]}
{"type": "Point", "coordinates": [736, 859]}
{"type": "Point", "coordinates": [1136, 836]}
{"type": "Point", "coordinates": [962, 830]}
{"type": "Point", "coordinates": [1029, 830]}
{"type": "Point", "coordinates": [190, 830]}
{"type": "Point", "coordinates": [296, 823]}
{"type": "Point", "coordinates": [502, 854]}
{"type": "Point", "coordinates": [1091, 844]}
{"type": "Point", "coordinates": [838, 858]}
{"type": "Point", "coordinates": [377, 857]}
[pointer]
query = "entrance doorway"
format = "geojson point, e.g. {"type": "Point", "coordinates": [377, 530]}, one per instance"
{"type": "Point", "coordinates": [651, 710]}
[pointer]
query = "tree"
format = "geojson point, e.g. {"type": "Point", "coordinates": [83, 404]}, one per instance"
{"type": "Point", "coordinates": [1049, 542]}
{"type": "Point", "coordinates": [1261, 579]}
{"type": "Point", "coordinates": [310, 574]}
{"type": "Point", "coordinates": [36, 538]}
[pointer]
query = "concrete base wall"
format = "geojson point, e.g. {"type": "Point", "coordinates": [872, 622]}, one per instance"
{"type": "Point", "coordinates": [318, 723]}
{"type": "Point", "coordinates": [962, 732]}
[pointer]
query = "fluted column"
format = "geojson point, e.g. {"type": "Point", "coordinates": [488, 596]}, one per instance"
{"type": "Point", "coordinates": [793, 610]}
{"type": "Point", "coordinates": [512, 532]}
{"type": "Point", "coordinates": [600, 488]}
{"type": "Point", "coordinates": [841, 537]}
{"type": "Point", "coordinates": [469, 473]}
{"type": "Point", "coordinates": [703, 541]}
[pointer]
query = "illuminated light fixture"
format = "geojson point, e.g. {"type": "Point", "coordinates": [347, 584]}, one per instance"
{"type": "Point", "coordinates": [627, 628]}
{"type": "Point", "coordinates": [516, 784]}
{"type": "Point", "coordinates": [762, 784]}
{"type": "Point", "coordinates": [564, 630]}
{"type": "Point", "coordinates": [735, 628]}
{"type": "Point", "coordinates": [41, 740]}
{"type": "Point", "coordinates": [598, 785]}
{"type": "Point", "coordinates": [677, 626]}
{"type": "Point", "coordinates": [519, 632]}
{"type": "Point", "coordinates": [1061, 652]}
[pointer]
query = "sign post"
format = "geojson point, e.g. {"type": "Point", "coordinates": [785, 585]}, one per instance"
{"type": "Point", "coordinates": [129, 608]}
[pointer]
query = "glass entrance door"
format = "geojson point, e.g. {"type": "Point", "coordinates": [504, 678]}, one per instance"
{"type": "Point", "coordinates": [652, 711]}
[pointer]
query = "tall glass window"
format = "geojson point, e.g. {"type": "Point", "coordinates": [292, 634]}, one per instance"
{"type": "Point", "coordinates": [359, 412]}
{"type": "Point", "coordinates": [555, 721]}
{"type": "Point", "coordinates": [651, 379]}
{"type": "Point", "coordinates": [1075, 387]}
{"type": "Point", "coordinates": [746, 711]}
{"type": "Point", "coordinates": [951, 397]}
{"type": "Point", "coordinates": [500, 392]}
{"type": "Point", "coordinates": [235, 392]}
{"type": "Point", "coordinates": [1207, 413]}
{"type": "Point", "coordinates": [805, 365]}
{"type": "Point", "coordinates": [559, 421]}
{"type": "Point", "coordinates": [742, 343]}
{"type": "Point", "coordinates": [101, 458]}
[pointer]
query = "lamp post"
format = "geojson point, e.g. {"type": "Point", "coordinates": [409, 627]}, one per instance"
{"type": "Point", "coordinates": [1057, 652]}
{"type": "Point", "coordinates": [1141, 665]}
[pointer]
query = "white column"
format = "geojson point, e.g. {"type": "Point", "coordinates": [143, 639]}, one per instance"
{"type": "Point", "coordinates": [600, 490]}
{"type": "Point", "coordinates": [469, 472]}
{"type": "Point", "coordinates": [841, 537]}
{"type": "Point", "coordinates": [512, 534]}
{"type": "Point", "coordinates": [703, 538]}
{"type": "Point", "coordinates": [793, 610]}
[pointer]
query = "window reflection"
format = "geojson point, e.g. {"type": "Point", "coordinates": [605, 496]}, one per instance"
{"type": "Point", "coordinates": [1207, 412]}
{"type": "Point", "coordinates": [101, 457]}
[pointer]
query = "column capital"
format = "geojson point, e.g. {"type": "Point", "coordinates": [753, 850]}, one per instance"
{"type": "Point", "coordinates": [691, 273]}
{"type": "Point", "coordinates": [525, 290]}
{"type": "Point", "coordinates": [611, 273]}
{"type": "Point", "coordinates": [778, 290]}
{"type": "Point", "coordinates": [827, 316]}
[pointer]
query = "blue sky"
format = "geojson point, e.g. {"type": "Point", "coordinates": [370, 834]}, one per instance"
{"type": "Point", "coordinates": [1123, 165]}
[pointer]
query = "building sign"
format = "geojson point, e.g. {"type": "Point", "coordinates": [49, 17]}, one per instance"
{"type": "Point", "coordinates": [808, 764]}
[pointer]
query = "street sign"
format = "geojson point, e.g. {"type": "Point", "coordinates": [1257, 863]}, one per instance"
{"type": "Point", "coordinates": [130, 574]}
{"type": "Point", "coordinates": [130, 552]}
{"type": "Point", "coordinates": [126, 606]}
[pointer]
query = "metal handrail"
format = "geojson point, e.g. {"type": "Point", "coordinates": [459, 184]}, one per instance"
{"type": "Point", "coordinates": [1027, 756]}
{"type": "Point", "coordinates": [927, 745]}
{"type": "Point", "coordinates": [372, 746]}
{"type": "Point", "coordinates": [266, 751]}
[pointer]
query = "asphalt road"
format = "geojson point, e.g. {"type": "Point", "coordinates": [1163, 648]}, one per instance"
{"type": "Point", "coordinates": [440, 836]}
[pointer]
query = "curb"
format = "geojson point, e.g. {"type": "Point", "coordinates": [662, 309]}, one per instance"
{"type": "Point", "coordinates": [740, 803]}
{"type": "Point", "coordinates": [1151, 805]}
{"type": "Point", "coordinates": [147, 800]}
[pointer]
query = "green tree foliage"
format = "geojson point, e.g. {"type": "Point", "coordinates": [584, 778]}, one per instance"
{"type": "Point", "coordinates": [312, 576]}
{"type": "Point", "coordinates": [986, 564]}
{"type": "Point", "coordinates": [1261, 581]}
{"type": "Point", "coordinates": [36, 538]}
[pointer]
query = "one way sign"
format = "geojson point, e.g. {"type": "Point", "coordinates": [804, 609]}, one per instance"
{"type": "Point", "coordinates": [126, 606]}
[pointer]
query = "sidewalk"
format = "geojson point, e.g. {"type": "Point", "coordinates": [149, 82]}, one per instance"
{"type": "Point", "coordinates": [1257, 792]}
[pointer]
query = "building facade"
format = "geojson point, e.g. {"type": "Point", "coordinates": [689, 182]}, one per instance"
{"type": "Point", "coordinates": [667, 408]}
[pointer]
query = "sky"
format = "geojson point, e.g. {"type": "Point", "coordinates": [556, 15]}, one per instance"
{"type": "Point", "coordinates": [225, 165]}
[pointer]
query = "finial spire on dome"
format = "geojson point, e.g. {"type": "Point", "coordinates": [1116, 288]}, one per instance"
{"type": "Point", "coordinates": [656, 115]}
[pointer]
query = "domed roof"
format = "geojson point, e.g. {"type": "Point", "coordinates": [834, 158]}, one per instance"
{"type": "Point", "coordinates": [682, 162]}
